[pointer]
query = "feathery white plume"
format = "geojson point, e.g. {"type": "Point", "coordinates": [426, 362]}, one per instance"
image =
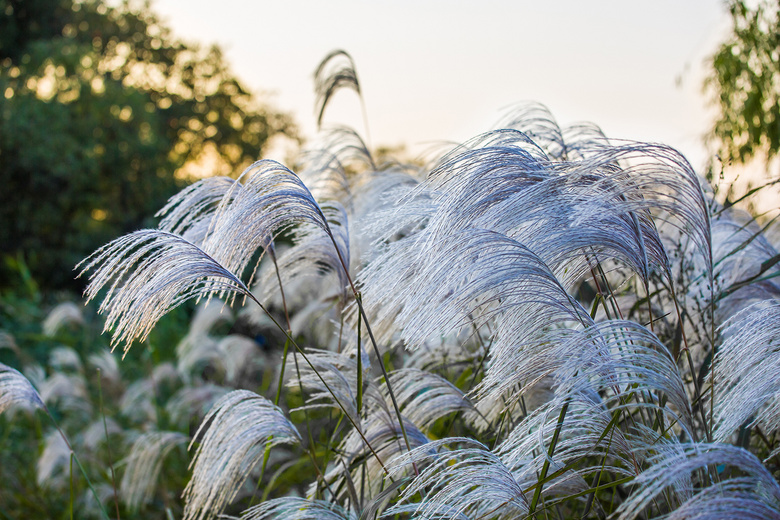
{"type": "Point", "coordinates": [294, 508]}
{"type": "Point", "coordinates": [7, 341]}
{"type": "Point", "coordinates": [106, 362]}
{"type": "Point", "coordinates": [233, 437]}
{"type": "Point", "coordinates": [143, 465]}
{"type": "Point", "coordinates": [425, 397]}
{"type": "Point", "coordinates": [53, 462]}
{"type": "Point", "coordinates": [468, 482]}
{"type": "Point", "coordinates": [331, 377]}
{"type": "Point", "coordinates": [65, 359]}
{"type": "Point", "coordinates": [148, 273]}
{"type": "Point", "coordinates": [754, 495]}
{"type": "Point", "coordinates": [193, 402]}
{"type": "Point", "coordinates": [747, 371]}
{"type": "Point", "coordinates": [62, 315]}
{"type": "Point", "coordinates": [189, 212]}
{"type": "Point", "coordinates": [266, 199]}
{"type": "Point", "coordinates": [313, 252]}
{"type": "Point", "coordinates": [67, 391]}
{"type": "Point", "coordinates": [16, 390]}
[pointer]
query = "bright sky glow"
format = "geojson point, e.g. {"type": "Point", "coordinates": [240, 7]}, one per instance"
{"type": "Point", "coordinates": [447, 70]}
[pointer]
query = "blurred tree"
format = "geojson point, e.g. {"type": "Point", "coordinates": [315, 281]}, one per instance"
{"type": "Point", "coordinates": [100, 106]}
{"type": "Point", "coordinates": [745, 82]}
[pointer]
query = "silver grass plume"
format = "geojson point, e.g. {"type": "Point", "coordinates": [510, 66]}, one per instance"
{"type": "Point", "coordinates": [607, 357]}
{"type": "Point", "coordinates": [94, 505]}
{"type": "Point", "coordinates": [16, 390]}
{"type": "Point", "coordinates": [7, 341]}
{"type": "Point", "coordinates": [199, 352]}
{"type": "Point", "coordinates": [233, 437]}
{"type": "Point", "coordinates": [62, 315]}
{"type": "Point", "coordinates": [656, 173]}
{"type": "Point", "coordinates": [67, 392]}
{"type": "Point", "coordinates": [294, 508]}
{"type": "Point", "coordinates": [376, 218]}
{"type": "Point", "coordinates": [425, 397]}
{"type": "Point", "coordinates": [36, 374]}
{"type": "Point", "coordinates": [189, 212]}
{"type": "Point", "coordinates": [198, 346]}
{"type": "Point", "coordinates": [335, 71]}
{"type": "Point", "coordinates": [138, 402]}
{"type": "Point", "coordinates": [266, 199]}
{"type": "Point", "coordinates": [313, 253]}
{"type": "Point", "coordinates": [95, 434]}
{"type": "Point", "coordinates": [753, 495]}
{"type": "Point", "coordinates": [65, 359]}
{"type": "Point", "coordinates": [339, 373]}
{"type": "Point", "coordinates": [193, 402]}
{"type": "Point", "coordinates": [537, 122]}
{"type": "Point", "coordinates": [52, 467]}
{"type": "Point", "coordinates": [207, 316]}
{"type": "Point", "coordinates": [382, 432]}
{"type": "Point", "coordinates": [148, 273]}
{"type": "Point", "coordinates": [745, 264]}
{"type": "Point", "coordinates": [467, 482]}
{"type": "Point", "coordinates": [558, 210]}
{"type": "Point", "coordinates": [143, 465]}
{"type": "Point", "coordinates": [747, 371]}
{"type": "Point", "coordinates": [377, 421]}
{"type": "Point", "coordinates": [238, 356]}
{"type": "Point", "coordinates": [468, 278]}
{"type": "Point", "coordinates": [106, 363]}
{"type": "Point", "coordinates": [465, 347]}
{"type": "Point", "coordinates": [586, 434]}
{"type": "Point", "coordinates": [337, 151]}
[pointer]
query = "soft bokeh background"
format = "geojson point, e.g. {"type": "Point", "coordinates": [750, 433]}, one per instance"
{"type": "Point", "coordinates": [435, 71]}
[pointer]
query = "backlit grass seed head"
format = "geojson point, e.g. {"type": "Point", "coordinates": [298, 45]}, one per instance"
{"type": "Point", "coordinates": [192, 403]}
{"type": "Point", "coordinates": [313, 253]}
{"type": "Point", "coordinates": [469, 481]}
{"type": "Point", "coordinates": [754, 495]}
{"type": "Point", "coordinates": [16, 390]}
{"type": "Point", "coordinates": [425, 397]}
{"type": "Point", "coordinates": [294, 508]}
{"type": "Point", "coordinates": [65, 314]}
{"type": "Point", "coordinates": [267, 198]}
{"type": "Point", "coordinates": [747, 371]}
{"type": "Point", "coordinates": [339, 373]}
{"type": "Point", "coordinates": [53, 463]}
{"type": "Point", "coordinates": [143, 465]}
{"type": "Point", "coordinates": [148, 273]}
{"type": "Point", "coordinates": [190, 212]}
{"type": "Point", "coordinates": [233, 437]}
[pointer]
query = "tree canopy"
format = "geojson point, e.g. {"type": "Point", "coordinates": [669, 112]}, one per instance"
{"type": "Point", "coordinates": [745, 83]}
{"type": "Point", "coordinates": [100, 106]}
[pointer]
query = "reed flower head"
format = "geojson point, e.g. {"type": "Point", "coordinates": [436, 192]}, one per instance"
{"type": "Point", "coordinates": [233, 437]}
{"type": "Point", "coordinates": [16, 390]}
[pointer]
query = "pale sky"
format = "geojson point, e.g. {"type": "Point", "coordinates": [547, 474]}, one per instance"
{"type": "Point", "coordinates": [447, 70]}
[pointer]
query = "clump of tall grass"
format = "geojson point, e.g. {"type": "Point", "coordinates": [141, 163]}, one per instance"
{"type": "Point", "coordinates": [540, 322]}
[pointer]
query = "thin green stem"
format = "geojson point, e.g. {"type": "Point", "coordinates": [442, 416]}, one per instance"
{"type": "Point", "coordinates": [108, 442]}
{"type": "Point", "coordinates": [359, 301]}
{"type": "Point", "coordinates": [691, 367]}
{"type": "Point", "coordinates": [550, 453]}
{"type": "Point", "coordinates": [359, 369]}
{"type": "Point", "coordinates": [71, 485]}
{"type": "Point", "coordinates": [78, 462]}
{"type": "Point", "coordinates": [322, 380]}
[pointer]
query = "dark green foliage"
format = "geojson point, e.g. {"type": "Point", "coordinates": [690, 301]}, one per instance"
{"type": "Point", "coordinates": [745, 83]}
{"type": "Point", "coordinates": [99, 107]}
